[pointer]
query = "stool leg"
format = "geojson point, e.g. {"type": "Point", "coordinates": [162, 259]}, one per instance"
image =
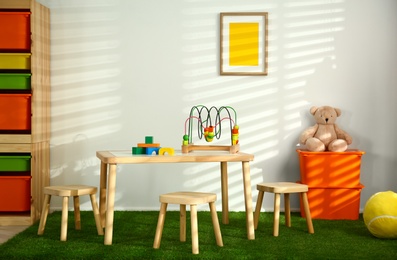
{"type": "Point", "coordinates": [44, 214]}
{"type": "Point", "coordinates": [97, 216]}
{"type": "Point", "coordinates": [307, 212]}
{"type": "Point", "coordinates": [160, 225]}
{"type": "Point", "coordinates": [77, 218]}
{"type": "Point", "coordinates": [287, 211]}
{"type": "Point", "coordinates": [258, 208]}
{"type": "Point", "coordinates": [182, 223]}
{"type": "Point", "coordinates": [276, 213]}
{"type": "Point", "coordinates": [215, 223]}
{"type": "Point", "coordinates": [194, 229]}
{"type": "Point", "coordinates": [64, 222]}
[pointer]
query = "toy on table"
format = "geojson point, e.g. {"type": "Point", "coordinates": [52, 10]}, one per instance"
{"type": "Point", "coordinates": [209, 126]}
{"type": "Point", "coordinates": [325, 135]}
{"type": "Point", "coordinates": [151, 148]}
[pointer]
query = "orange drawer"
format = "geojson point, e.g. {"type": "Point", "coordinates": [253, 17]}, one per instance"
{"type": "Point", "coordinates": [333, 203]}
{"type": "Point", "coordinates": [14, 31]}
{"type": "Point", "coordinates": [15, 111]}
{"type": "Point", "coordinates": [330, 169]}
{"type": "Point", "coordinates": [15, 193]}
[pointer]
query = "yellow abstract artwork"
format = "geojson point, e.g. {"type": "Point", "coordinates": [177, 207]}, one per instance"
{"type": "Point", "coordinates": [244, 44]}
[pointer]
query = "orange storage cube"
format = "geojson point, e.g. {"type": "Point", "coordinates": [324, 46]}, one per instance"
{"type": "Point", "coordinates": [15, 193]}
{"type": "Point", "coordinates": [330, 169]}
{"type": "Point", "coordinates": [14, 31]}
{"type": "Point", "coordinates": [15, 111]}
{"type": "Point", "coordinates": [333, 203]}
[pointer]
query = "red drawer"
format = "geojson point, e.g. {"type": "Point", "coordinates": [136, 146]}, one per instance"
{"type": "Point", "coordinates": [14, 31]}
{"type": "Point", "coordinates": [15, 111]}
{"type": "Point", "coordinates": [15, 193]}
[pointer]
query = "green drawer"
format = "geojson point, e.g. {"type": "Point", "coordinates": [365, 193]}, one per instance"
{"type": "Point", "coordinates": [20, 81]}
{"type": "Point", "coordinates": [14, 163]}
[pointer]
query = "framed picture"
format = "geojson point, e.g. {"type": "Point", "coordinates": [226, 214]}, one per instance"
{"type": "Point", "coordinates": [243, 43]}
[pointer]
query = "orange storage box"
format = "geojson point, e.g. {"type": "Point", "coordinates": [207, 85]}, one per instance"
{"type": "Point", "coordinates": [15, 193]}
{"type": "Point", "coordinates": [330, 169]}
{"type": "Point", "coordinates": [14, 31]}
{"type": "Point", "coordinates": [15, 111]}
{"type": "Point", "coordinates": [333, 203]}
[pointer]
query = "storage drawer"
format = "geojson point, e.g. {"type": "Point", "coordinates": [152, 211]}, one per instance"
{"type": "Point", "coordinates": [19, 81]}
{"type": "Point", "coordinates": [14, 163]}
{"type": "Point", "coordinates": [14, 31]}
{"type": "Point", "coordinates": [15, 111]}
{"type": "Point", "coordinates": [330, 169]}
{"type": "Point", "coordinates": [15, 193]}
{"type": "Point", "coordinates": [15, 61]}
{"type": "Point", "coordinates": [333, 202]}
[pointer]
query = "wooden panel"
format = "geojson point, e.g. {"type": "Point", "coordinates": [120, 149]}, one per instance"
{"type": "Point", "coordinates": [15, 139]}
{"type": "Point", "coordinates": [40, 68]}
{"type": "Point", "coordinates": [40, 170]}
{"type": "Point", "coordinates": [15, 4]}
{"type": "Point", "coordinates": [15, 220]}
{"type": "Point", "coordinates": [15, 148]}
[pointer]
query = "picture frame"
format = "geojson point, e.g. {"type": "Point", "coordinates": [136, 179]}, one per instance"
{"type": "Point", "coordinates": [244, 43]}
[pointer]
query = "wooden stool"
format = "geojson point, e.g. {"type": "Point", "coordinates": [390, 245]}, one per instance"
{"type": "Point", "coordinates": [192, 199]}
{"type": "Point", "coordinates": [65, 192]}
{"type": "Point", "coordinates": [286, 188]}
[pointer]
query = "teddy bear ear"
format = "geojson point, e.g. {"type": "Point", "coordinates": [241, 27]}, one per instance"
{"type": "Point", "coordinates": [338, 111]}
{"type": "Point", "coordinates": [313, 110]}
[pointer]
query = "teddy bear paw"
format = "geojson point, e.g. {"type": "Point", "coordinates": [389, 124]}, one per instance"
{"type": "Point", "coordinates": [315, 145]}
{"type": "Point", "coordinates": [338, 145]}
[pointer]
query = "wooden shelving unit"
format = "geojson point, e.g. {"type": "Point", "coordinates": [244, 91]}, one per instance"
{"type": "Point", "coordinates": [37, 142]}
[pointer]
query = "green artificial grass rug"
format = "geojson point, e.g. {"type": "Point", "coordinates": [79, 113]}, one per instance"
{"type": "Point", "coordinates": [134, 234]}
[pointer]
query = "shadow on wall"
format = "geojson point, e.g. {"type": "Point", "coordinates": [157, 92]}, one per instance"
{"type": "Point", "coordinates": [88, 111]}
{"type": "Point", "coordinates": [85, 84]}
{"type": "Point", "coordinates": [301, 36]}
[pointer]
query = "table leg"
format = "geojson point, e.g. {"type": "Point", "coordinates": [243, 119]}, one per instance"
{"type": "Point", "coordinates": [102, 192]}
{"type": "Point", "coordinates": [225, 193]}
{"type": "Point", "coordinates": [110, 204]}
{"type": "Point", "coordinates": [248, 200]}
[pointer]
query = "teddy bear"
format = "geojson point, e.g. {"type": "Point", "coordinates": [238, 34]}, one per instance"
{"type": "Point", "coordinates": [325, 135]}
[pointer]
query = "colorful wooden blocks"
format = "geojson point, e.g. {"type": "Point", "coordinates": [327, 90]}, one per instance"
{"type": "Point", "coordinates": [150, 148]}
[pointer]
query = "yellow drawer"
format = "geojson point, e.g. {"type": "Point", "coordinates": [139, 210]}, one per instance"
{"type": "Point", "coordinates": [14, 61]}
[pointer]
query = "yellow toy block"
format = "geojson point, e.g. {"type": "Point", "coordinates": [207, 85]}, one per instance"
{"type": "Point", "coordinates": [168, 150]}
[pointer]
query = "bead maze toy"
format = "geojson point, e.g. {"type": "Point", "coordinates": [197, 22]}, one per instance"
{"type": "Point", "coordinates": [151, 148]}
{"type": "Point", "coordinates": [209, 126]}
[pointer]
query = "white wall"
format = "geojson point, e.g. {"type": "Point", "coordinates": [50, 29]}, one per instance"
{"type": "Point", "coordinates": [122, 70]}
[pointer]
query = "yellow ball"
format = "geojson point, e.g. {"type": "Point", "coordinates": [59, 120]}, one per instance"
{"type": "Point", "coordinates": [380, 214]}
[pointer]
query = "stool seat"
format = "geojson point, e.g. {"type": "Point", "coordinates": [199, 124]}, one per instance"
{"type": "Point", "coordinates": [67, 191]}
{"type": "Point", "coordinates": [187, 198]}
{"type": "Point", "coordinates": [283, 188]}
{"type": "Point", "coordinates": [192, 199]}
{"type": "Point", "coordinates": [70, 190]}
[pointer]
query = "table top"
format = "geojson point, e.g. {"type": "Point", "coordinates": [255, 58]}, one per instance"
{"type": "Point", "coordinates": [126, 157]}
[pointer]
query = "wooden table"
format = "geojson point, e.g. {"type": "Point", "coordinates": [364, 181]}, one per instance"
{"type": "Point", "coordinates": [110, 159]}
